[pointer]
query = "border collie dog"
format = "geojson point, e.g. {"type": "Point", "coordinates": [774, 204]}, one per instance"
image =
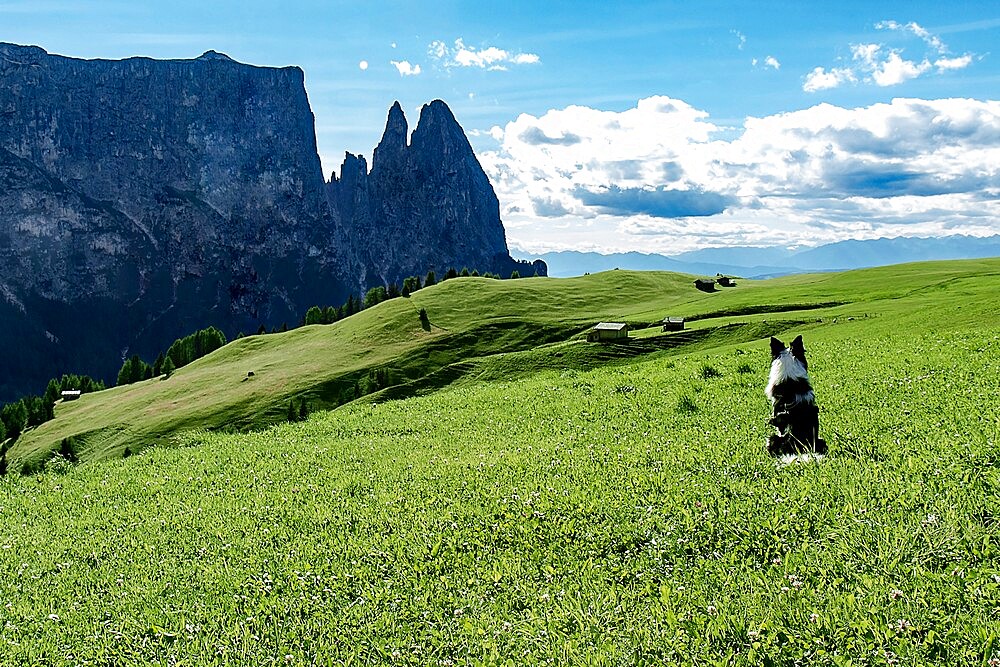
{"type": "Point", "coordinates": [795, 415]}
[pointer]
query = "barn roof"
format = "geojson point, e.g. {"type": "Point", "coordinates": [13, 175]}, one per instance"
{"type": "Point", "coordinates": [673, 320]}
{"type": "Point", "coordinates": [610, 326]}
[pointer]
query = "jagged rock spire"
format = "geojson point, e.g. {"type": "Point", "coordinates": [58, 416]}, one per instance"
{"type": "Point", "coordinates": [393, 143]}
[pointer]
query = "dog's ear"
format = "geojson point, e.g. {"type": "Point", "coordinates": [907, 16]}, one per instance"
{"type": "Point", "coordinates": [776, 347]}
{"type": "Point", "coordinates": [798, 349]}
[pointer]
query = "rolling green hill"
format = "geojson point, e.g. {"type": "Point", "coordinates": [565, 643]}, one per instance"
{"type": "Point", "coordinates": [482, 328]}
{"type": "Point", "coordinates": [536, 499]}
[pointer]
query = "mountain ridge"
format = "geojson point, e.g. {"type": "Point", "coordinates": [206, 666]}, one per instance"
{"type": "Point", "coordinates": [766, 261]}
{"type": "Point", "coordinates": [145, 199]}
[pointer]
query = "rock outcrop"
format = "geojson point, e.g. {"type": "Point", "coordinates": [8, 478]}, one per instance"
{"type": "Point", "coordinates": [426, 205]}
{"type": "Point", "coordinates": [143, 199]}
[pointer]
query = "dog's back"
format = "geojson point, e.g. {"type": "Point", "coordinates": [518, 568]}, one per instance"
{"type": "Point", "coordinates": [795, 416]}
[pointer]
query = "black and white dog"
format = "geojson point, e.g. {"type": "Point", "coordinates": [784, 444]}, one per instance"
{"type": "Point", "coordinates": [795, 415]}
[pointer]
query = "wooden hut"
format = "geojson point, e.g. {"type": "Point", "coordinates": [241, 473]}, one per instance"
{"type": "Point", "coordinates": [70, 394]}
{"type": "Point", "coordinates": [705, 284]}
{"type": "Point", "coordinates": [673, 323]}
{"type": "Point", "coordinates": [725, 281]}
{"type": "Point", "coordinates": [605, 331]}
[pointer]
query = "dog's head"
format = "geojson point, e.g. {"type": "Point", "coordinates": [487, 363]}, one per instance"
{"type": "Point", "coordinates": [796, 350]}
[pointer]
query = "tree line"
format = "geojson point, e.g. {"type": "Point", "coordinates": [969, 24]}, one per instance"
{"type": "Point", "coordinates": [380, 293]}
{"type": "Point", "coordinates": [29, 411]}
{"type": "Point", "coordinates": [180, 353]}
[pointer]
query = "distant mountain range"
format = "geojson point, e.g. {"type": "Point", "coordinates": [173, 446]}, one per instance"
{"type": "Point", "coordinates": [760, 262]}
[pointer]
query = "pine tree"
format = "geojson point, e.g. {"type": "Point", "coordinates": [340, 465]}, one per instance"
{"type": "Point", "coordinates": [293, 414]}
{"type": "Point", "coordinates": [262, 330]}
{"type": "Point", "coordinates": [15, 418]}
{"type": "Point", "coordinates": [37, 410]}
{"type": "Point", "coordinates": [330, 315]}
{"type": "Point", "coordinates": [168, 367]}
{"type": "Point", "coordinates": [67, 449]}
{"type": "Point", "coordinates": [158, 365]}
{"type": "Point", "coordinates": [465, 272]}
{"type": "Point", "coordinates": [430, 279]}
{"type": "Point", "coordinates": [125, 374]}
{"type": "Point", "coordinates": [411, 285]}
{"type": "Point", "coordinates": [514, 275]}
{"type": "Point", "coordinates": [425, 321]}
{"type": "Point", "coordinates": [393, 291]}
{"type": "Point", "coordinates": [303, 410]}
{"type": "Point", "coordinates": [53, 392]}
{"type": "Point", "coordinates": [452, 273]}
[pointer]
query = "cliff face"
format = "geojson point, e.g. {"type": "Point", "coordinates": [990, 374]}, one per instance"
{"type": "Point", "coordinates": [157, 197]}
{"type": "Point", "coordinates": [143, 199]}
{"type": "Point", "coordinates": [425, 205]}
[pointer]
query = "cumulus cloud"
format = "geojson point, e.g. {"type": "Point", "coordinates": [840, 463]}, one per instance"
{"type": "Point", "coordinates": [489, 57]}
{"type": "Point", "coordinates": [894, 70]}
{"type": "Point", "coordinates": [536, 136]}
{"type": "Point", "coordinates": [656, 202]}
{"type": "Point", "coordinates": [659, 177]}
{"type": "Point", "coordinates": [772, 62]}
{"type": "Point", "coordinates": [821, 79]}
{"type": "Point", "coordinates": [405, 68]}
{"type": "Point", "coordinates": [883, 66]}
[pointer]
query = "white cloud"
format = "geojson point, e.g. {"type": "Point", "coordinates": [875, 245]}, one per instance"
{"type": "Point", "coordinates": [960, 62]}
{"type": "Point", "coordinates": [882, 66]}
{"type": "Point", "coordinates": [405, 68]}
{"type": "Point", "coordinates": [363, 65]}
{"type": "Point", "coordinates": [489, 58]}
{"type": "Point", "coordinates": [741, 37]}
{"type": "Point", "coordinates": [772, 62]}
{"type": "Point", "coordinates": [657, 178]}
{"type": "Point", "coordinates": [894, 70]}
{"type": "Point", "coordinates": [821, 79]}
{"type": "Point", "coordinates": [931, 40]}
{"type": "Point", "coordinates": [525, 59]}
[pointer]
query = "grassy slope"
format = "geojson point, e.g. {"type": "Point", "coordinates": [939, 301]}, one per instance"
{"type": "Point", "coordinates": [472, 319]}
{"type": "Point", "coordinates": [567, 517]}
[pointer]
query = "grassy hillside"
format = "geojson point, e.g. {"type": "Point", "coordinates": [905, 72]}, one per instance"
{"type": "Point", "coordinates": [472, 320]}
{"type": "Point", "coordinates": [538, 513]}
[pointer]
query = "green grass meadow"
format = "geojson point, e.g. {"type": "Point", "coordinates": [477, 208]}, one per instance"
{"type": "Point", "coordinates": [526, 498]}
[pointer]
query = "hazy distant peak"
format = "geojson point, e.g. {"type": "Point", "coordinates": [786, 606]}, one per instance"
{"type": "Point", "coordinates": [214, 55]}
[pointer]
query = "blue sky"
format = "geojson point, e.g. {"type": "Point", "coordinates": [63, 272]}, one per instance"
{"type": "Point", "coordinates": [638, 125]}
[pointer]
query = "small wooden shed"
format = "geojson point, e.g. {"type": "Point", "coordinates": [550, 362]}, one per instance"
{"type": "Point", "coordinates": [604, 331]}
{"type": "Point", "coordinates": [70, 394]}
{"type": "Point", "coordinates": [725, 281]}
{"type": "Point", "coordinates": [673, 323]}
{"type": "Point", "coordinates": [705, 284]}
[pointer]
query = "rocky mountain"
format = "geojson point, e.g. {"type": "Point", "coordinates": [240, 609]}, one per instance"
{"type": "Point", "coordinates": [426, 204]}
{"type": "Point", "coordinates": [143, 199]}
